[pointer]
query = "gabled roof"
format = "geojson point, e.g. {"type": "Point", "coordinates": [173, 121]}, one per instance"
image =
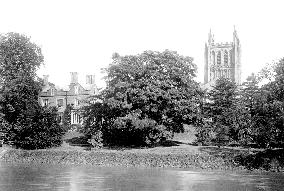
{"type": "Point", "coordinates": [47, 87]}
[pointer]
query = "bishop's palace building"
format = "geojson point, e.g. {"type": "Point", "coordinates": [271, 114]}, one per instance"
{"type": "Point", "coordinates": [222, 60]}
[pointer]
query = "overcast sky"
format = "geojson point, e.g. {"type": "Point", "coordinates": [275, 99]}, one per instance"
{"type": "Point", "coordinates": [82, 35]}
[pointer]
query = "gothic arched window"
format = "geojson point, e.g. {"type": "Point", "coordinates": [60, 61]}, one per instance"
{"type": "Point", "coordinates": [231, 58]}
{"type": "Point", "coordinates": [219, 57]}
{"type": "Point", "coordinates": [213, 57]}
{"type": "Point", "coordinates": [226, 58]}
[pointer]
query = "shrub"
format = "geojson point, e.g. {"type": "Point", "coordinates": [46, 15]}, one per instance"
{"type": "Point", "coordinates": [37, 132]}
{"type": "Point", "coordinates": [131, 130]}
{"type": "Point", "coordinates": [96, 140]}
{"type": "Point", "coordinates": [204, 134]}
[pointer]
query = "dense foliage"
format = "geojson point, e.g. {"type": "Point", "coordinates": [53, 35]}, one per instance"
{"type": "Point", "coordinates": [248, 115]}
{"type": "Point", "coordinates": [220, 107]}
{"type": "Point", "coordinates": [271, 110]}
{"type": "Point", "coordinates": [148, 97]}
{"type": "Point", "coordinates": [25, 123]}
{"type": "Point", "coordinates": [66, 118]}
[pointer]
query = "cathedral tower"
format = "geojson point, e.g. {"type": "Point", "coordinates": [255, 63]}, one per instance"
{"type": "Point", "coordinates": [222, 60]}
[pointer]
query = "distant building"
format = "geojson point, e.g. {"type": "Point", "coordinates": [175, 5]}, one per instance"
{"type": "Point", "coordinates": [222, 60]}
{"type": "Point", "coordinates": [74, 94]}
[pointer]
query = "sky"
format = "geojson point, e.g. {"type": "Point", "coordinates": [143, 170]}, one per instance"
{"type": "Point", "coordinates": [81, 35]}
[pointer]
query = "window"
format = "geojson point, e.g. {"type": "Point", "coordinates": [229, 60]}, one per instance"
{"type": "Point", "coordinates": [76, 89]}
{"type": "Point", "coordinates": [219, 57]}
{"type": "Point", "coordinates": [60, 117]}
{"type": "Point", "coordinates": [226, 57]}
{"type": "Point", "coordinates": [213, 57]}
{"type": "Point", "coordinates": [52, 92]}
{"type": "Point", "coordinates": [59, 102]}
{"type": "Point", "coordinates": [231, 57]}
{"type": "Point", "coordinates": [77, 102]}
{"type": "Point", "coordinates": [45, 102]}
{"type": "Point", "coordinates": [75, 118]}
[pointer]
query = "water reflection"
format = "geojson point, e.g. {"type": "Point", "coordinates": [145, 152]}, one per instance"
{"type": "Point", "coordinates": [75, 178]}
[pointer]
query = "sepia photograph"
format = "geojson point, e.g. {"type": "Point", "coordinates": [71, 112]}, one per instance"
{"type": "Point", "coordinates": [152, 95]}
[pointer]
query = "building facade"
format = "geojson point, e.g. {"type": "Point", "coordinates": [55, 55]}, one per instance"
{"type": "Point", "coordinates": [74, 95]}
{"type": "Point", "coordinates": [222, 60]}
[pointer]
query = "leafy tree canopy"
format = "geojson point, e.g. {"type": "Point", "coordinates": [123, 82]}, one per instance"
{"type": "Point", "coordinates": [222, 107]}
{"type": "Point", "coordinates": [19, 60]}
{"type": "Point", "coordinates": [23, 120]}
{"type": "Point", "coordinates": [158, 87]}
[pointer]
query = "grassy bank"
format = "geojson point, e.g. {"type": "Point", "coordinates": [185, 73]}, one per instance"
{"type": "Point", "coordinates": [178, 153]}
{"type": "Point", "coordinates": [119, 158]}
{"type": "Point", "coordinates": [181, 156]}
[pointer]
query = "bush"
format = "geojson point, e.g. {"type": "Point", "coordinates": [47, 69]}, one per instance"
{"type": "Point", "coordinates": [96, 140]}
{"type": "Point", "coordinates": [204, 134]}
{"type": "Point", "coordinates": [132, 131]}
{"type": "Point", "coordinates": [37, 132]}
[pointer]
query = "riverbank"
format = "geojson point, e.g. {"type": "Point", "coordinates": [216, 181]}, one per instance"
{"type": "Point", "coordinates": [178, 153]}
{"type": "Point", "coordinates": [125, 158]}
{"type": "Point", "coordinates": [181, 156]}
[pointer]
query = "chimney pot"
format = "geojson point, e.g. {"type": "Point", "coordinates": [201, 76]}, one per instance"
{"type": "Point", "coordinates": [90, 79]}
{"type": "Point", "coordinates": [45, 79]}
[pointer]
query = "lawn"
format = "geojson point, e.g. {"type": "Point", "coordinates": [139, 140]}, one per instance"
{"type": "Point", "coordinates": [180, 144]}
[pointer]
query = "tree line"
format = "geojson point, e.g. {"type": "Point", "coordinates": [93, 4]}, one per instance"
{"type": "Point", "coordinates": [148, 98]}
{"type": "Point", "coordinates": [247, 115]}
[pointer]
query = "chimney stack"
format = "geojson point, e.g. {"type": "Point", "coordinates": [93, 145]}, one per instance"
{"type": "Point", "coordinates": [45, 79]}
{"type": "Point", "coordinates": [74, 77]}
{"type": "Point", "coordinates": [90, 79]}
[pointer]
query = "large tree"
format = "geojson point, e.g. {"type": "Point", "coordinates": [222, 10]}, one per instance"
{"type": "Point", "coordinates": [270, 119]}
{"type": "Point", "coordinates": [221, 106]}
{"type": "Point", "coordinates": [19, 60]}
{"type": "Point", "coordinates": [149, 95]}
{"type": "Point", "coordinates": [24, 121]}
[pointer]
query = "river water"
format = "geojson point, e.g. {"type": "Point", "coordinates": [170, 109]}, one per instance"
{"type": "Point", "coordinates": [23, 177]}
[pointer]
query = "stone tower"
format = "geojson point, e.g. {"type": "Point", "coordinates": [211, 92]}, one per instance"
{"type": "Point", "coordinates": [222, 60]}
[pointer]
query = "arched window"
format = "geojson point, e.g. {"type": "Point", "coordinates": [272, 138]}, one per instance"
{"type": "Point", "coordinates": [226, 57]}
{"type": "Point", "coordinates": [219, 57]}
{"type": "Point", "coordinates": [231, 58]}
{"type": "Point", "coordinates": [213, 57]}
